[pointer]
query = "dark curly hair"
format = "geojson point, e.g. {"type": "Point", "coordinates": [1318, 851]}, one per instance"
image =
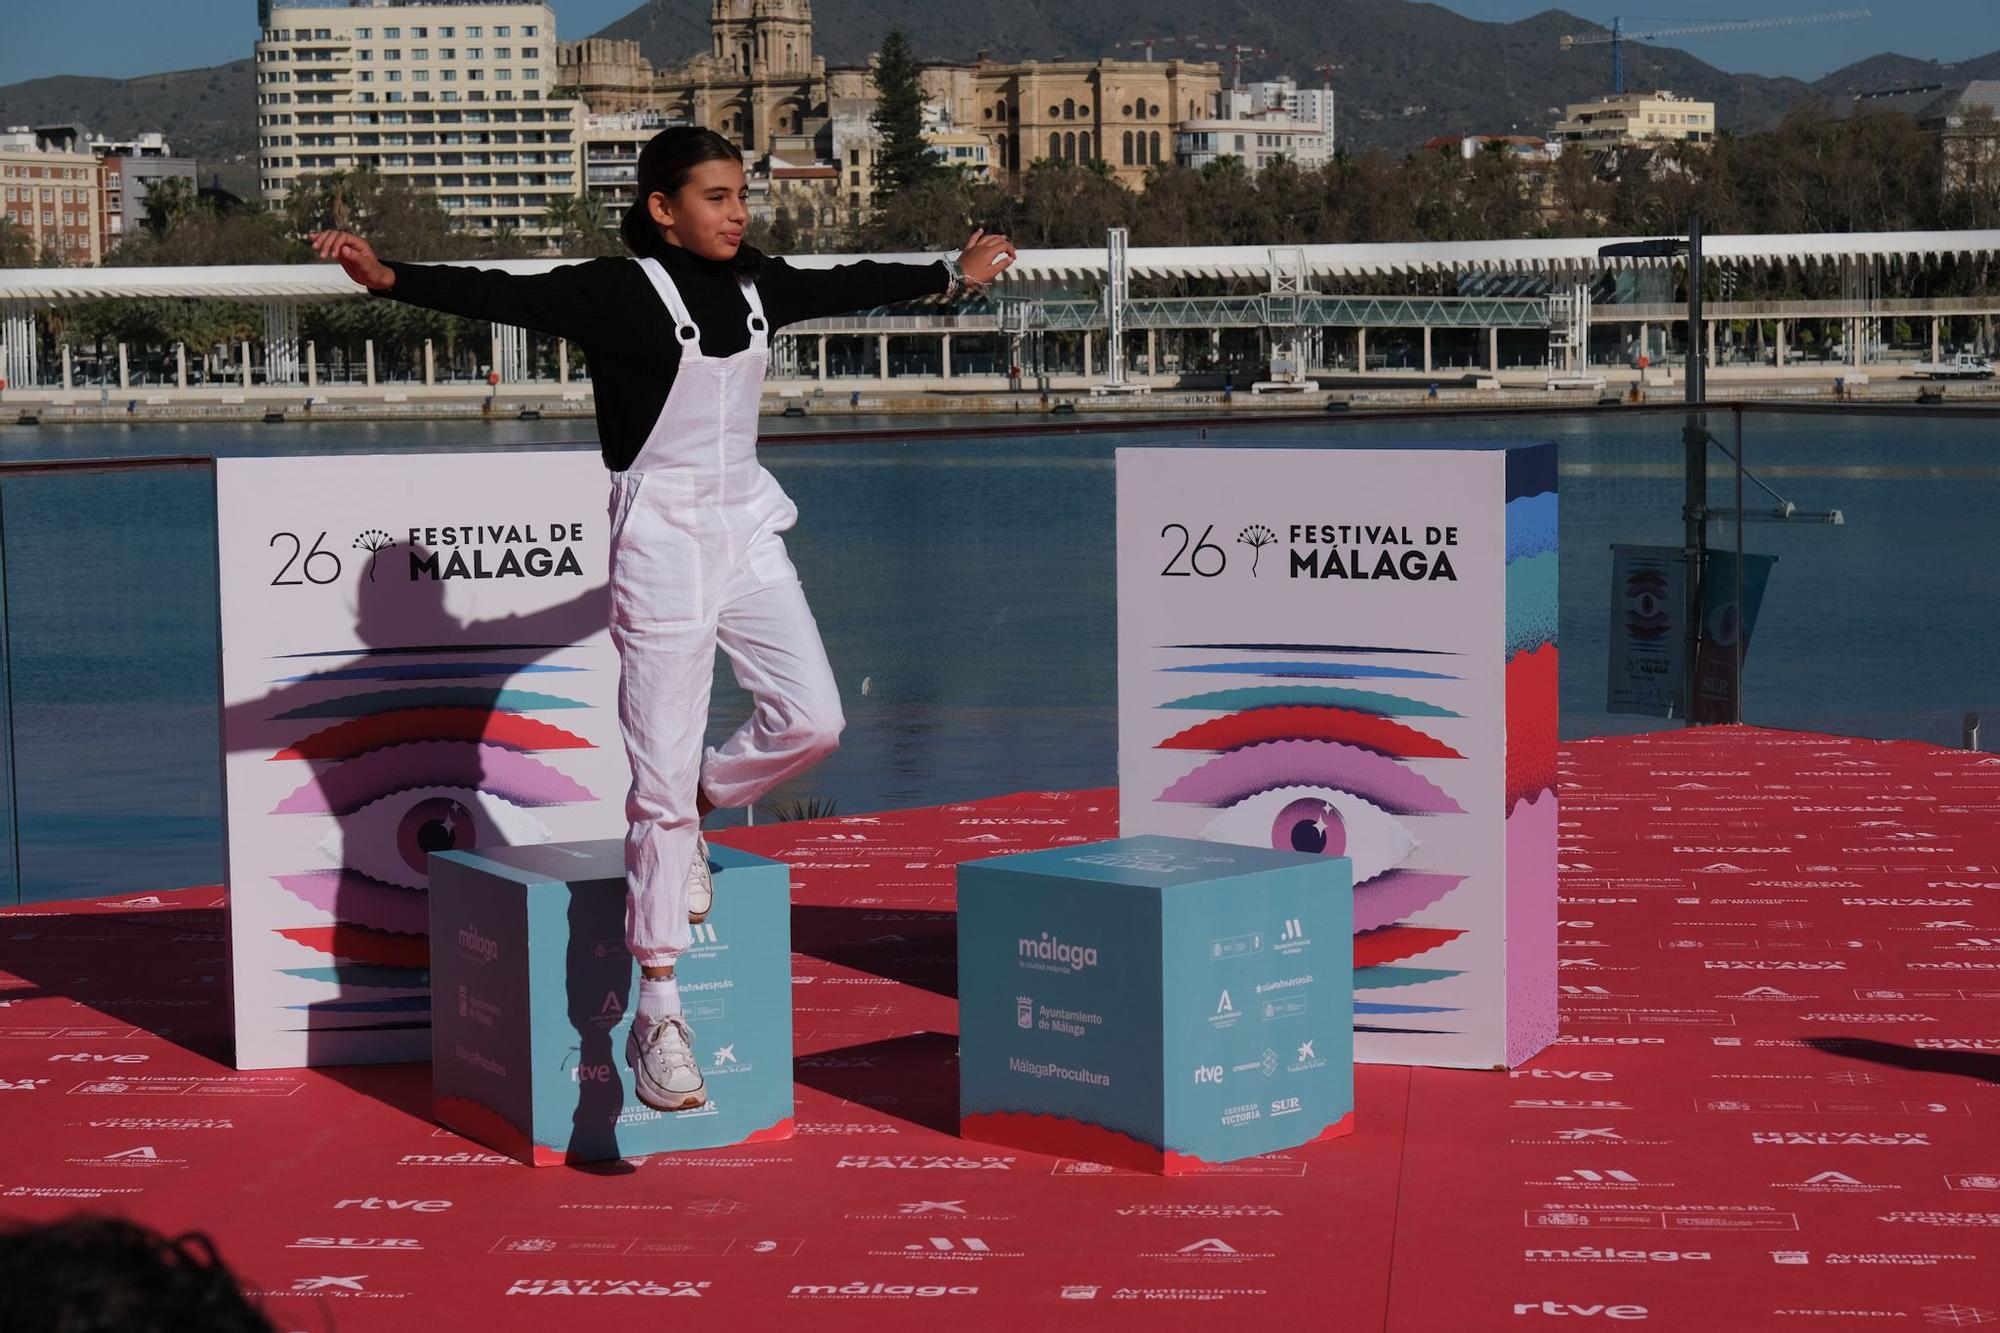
{"type": "Point", "coordinates": [665, 163]}
{"type": "Point", "coordinates": [88, 1274]}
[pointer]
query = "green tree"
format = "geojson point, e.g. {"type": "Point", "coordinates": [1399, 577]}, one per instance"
{"type": "Point", "coordinates": [903, 158]}
{"type": "Point", "coordinates": [581, 223]}
{"type": "Point", "coordinates": [168, 201]}
{"type": "Point", "coordinates": [400, 220]}
{"type": "Point", "coordinates": [1063, 204]}
{"type": "Point", "coordinates": [929, 215]}
{"type": "Point", "coordinates": [196, 233]}
{"type": "Point", "coordinates": [17, 244]}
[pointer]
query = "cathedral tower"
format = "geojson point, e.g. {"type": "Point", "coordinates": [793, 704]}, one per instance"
{"type": "Point", "coordinates": [762, 39]}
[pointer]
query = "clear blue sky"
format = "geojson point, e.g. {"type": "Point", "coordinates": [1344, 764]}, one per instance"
{"type": "Point", "coordinates": [120, 38]}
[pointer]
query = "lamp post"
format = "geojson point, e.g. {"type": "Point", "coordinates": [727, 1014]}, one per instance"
{"type": "Point", "coordinates": [1694, 435]}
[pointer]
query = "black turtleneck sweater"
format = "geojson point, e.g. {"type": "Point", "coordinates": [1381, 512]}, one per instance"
{"type": "Point", "coordinates": [609, 309]}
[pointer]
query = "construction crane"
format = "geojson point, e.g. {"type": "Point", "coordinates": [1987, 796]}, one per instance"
{"type": "Point", "coordinates": [1617, 35]}
{"type": "Point", "coordinates": [1235, 51]}
{"type": "Point", "coordinates": [1147, 44]}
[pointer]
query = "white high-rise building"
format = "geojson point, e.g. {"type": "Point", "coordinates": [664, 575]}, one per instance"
{"type": "Point", "coordinates": [1256, 123]}
{"type": "Point", "coordinates": [1312, 105]}
{"type": "Point", "coordinates": [1308, 106]}
{"type": "Point", "coordinates": [456, 99]}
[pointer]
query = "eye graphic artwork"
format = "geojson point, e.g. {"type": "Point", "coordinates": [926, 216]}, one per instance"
{"type": "Point", "coordinates": [1647, 615]}
{"type": "Point", "coordinates": [400, 774]}
{"type": "Point", "coordinates": [1722, 625]}
{"type": "Point", "coordinates": [1312, 670]}
{"type": "Point", "coordinates": [1322, 770]}
{"type": "Point", "coordinates": [1313, 820]}
{"type": "Point", "coordinates": [1309, 696]}
{"type": "Point", "coordinates": [391, 839]}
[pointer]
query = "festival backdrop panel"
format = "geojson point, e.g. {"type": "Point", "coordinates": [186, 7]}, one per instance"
{"type": "Point", "coordinates": [415, 658]}
{"type": "Point", "coordinates": [1352, 652]}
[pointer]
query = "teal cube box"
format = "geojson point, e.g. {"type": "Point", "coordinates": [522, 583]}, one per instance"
{"type": "Point", "coordinates": [534, 993]}
{"type": "Point", "coordinates": [1158, 1003]}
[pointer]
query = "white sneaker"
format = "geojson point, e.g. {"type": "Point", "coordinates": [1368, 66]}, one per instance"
{"type": "Point", "coordinates": [701, 884]}
{"type": "Point", "coordinates": [664, 1072]}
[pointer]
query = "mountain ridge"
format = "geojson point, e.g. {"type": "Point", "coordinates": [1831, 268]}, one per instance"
{"type": "Point", "coordinates": [1413, 70]}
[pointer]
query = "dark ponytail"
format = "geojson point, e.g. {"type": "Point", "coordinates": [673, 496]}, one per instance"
{"type": "Point", "coordinates": [665, 163]}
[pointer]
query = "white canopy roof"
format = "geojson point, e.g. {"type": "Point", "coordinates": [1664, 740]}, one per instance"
{"type": "Point", "coordinates": [320, 282]}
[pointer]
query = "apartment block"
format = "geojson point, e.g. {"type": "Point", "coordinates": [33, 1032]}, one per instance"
{"type": "Point", "coordinates": [455, 99]}
{"type": "Point", "coordinates": [1628, 120]}
{"type": "Point", "coordinates": [52, 186]}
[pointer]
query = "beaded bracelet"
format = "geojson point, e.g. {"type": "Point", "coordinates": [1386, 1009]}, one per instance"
{"type": "Point", "coordinates": [960, 283]}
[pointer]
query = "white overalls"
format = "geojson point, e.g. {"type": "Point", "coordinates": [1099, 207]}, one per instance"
{"type": "Point", "coordinates": [696, 560]}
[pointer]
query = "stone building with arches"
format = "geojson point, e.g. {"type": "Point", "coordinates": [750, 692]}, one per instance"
{"type": "Point", "coordinates": [758, 78]}
{"type": "Point", "coordinates": [761, 85]}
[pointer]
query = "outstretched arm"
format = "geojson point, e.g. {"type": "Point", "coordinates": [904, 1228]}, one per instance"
{"type": "Point", "coordinates": [792, 294]}
{"type": "Point", "coordinates": [558, 302]}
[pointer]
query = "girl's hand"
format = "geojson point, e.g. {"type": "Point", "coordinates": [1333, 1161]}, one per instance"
{"type": "Point", "coordinates": [985, 256]}
{"type": "Point", "coordinates": [356, 256]}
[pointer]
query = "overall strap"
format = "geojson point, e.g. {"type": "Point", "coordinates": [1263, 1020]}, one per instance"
{"type": "Point", "coordinates": [684, 326]}
{"type": "Point", "coordinates": [760, 328]}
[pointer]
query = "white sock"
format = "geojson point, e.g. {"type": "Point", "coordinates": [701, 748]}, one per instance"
{"type": "Point", "coordinates": [658, 997]}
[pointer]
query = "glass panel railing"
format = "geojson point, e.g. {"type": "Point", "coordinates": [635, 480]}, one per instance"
{"type": "Point", "coordinates": [1882, 625]}
{"type": "Point", "coordinates": [110, 579]}
{"type": "Point", "coordinates": [963, 580]}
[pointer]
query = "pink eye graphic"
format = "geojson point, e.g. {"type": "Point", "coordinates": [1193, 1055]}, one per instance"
{"type": "Point", "coordinates": [390, 840]}
{"type": "Point", "coordinates": [1324, 769]}
{"type": "Point", "coordinates": [1321, 820]}
{"type": "Point", "coordinates": [1310, 825]}
{"type": "Point", "coordinates": [1646, 610]}
{"type": "Point", "coordinates": [419, 767]}
{"type": "Point", "coordinates": [1229, 778]}
{"type": "Point", "coordinates": [353, 783]}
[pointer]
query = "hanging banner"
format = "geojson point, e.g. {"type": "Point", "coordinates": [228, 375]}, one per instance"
{"type": "Point", "coordinates": [1716, 659]}
{"type": "Point", "coordinates": [1353, 652]}
{"type": "Point", "coordinates": [415, 658]}
{"type": "Point", "coordinates": [1648, 656]}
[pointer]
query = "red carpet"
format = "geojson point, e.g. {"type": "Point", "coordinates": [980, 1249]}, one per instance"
{"type": "Point", "coordinates": [1776, 1105]}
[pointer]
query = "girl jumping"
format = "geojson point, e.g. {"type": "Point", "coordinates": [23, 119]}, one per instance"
{"type": "Point", "coordinates": [678, 339]}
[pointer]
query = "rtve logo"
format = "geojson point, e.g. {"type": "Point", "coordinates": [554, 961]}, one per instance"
{"type": "Point", "coordinates": [1208, 1073]}
{"type": "Point", "coordinates": [372, 1204]}
{"type": "Point", "coordinates": [1563, 1309]}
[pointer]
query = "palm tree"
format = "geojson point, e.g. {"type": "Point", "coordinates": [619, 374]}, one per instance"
{"type": "Point", "coordinates": [168, 200]}
{"type": "Point", "coordinates": [17, 244]}
{"type": "Point", "coordinates": [560, 216]}
{"type": "Point", "coordinates": [576, 218]}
